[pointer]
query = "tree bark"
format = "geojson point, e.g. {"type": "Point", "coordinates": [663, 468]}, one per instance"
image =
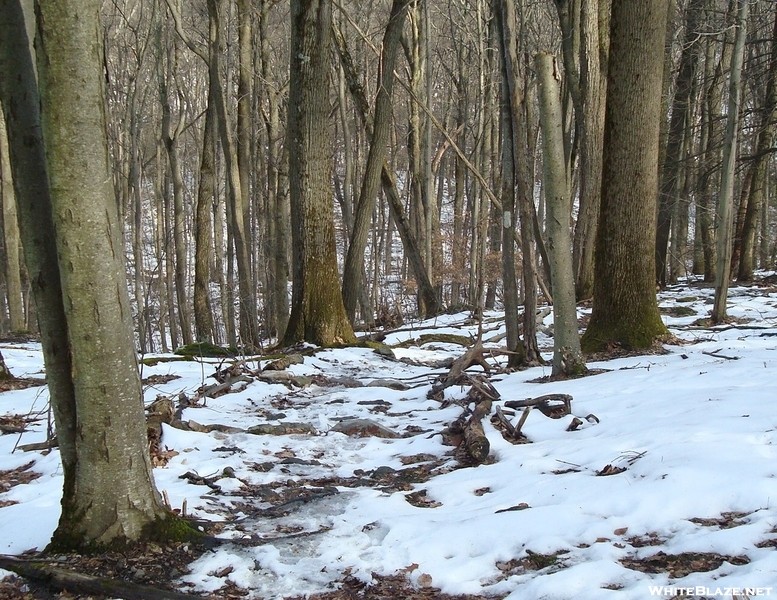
{"type": "Point", "coordinates": [13, 276]}
{"type": "Point", "coordinates": [431, 302]}
{"type": "Point", "coordinates": [317, 312]}
{"type": "Point", "coordinates": [381, 129]}
{"type": "Point", "coordinates": [567, 356]}
{"type": "Point", "coordinates": [625, 311]}
{"type": "Point", "coordinates": [21, 106]}
{"type": "Point", "coordinates": [203, 239]}
{"type": "Point", "coordinates": [113, 497]}
{"type": "Point", "coordinates": [726, 199]}
{"type": "Point", "coordinates": [522, 170]}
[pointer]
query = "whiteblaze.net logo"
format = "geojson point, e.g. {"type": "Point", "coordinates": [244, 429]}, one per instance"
{"type": "Point", "coordinates": [663, 591]}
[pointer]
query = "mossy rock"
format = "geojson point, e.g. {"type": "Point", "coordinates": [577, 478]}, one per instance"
{"type": "Point", "coordinates": [687, 299]}
{"type": "Point", "coordinates": [678, 311]}
{"type": "Point", "coordinates": [207, 350]}
{"type": "Point", "coordinates": [381, 349]}
{"type": "Point", "coordinates": [445, 338]}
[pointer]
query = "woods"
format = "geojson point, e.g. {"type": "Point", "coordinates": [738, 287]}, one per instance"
{"type": "Point", "coordinates": [201, 114]}
{"type": "Point", "coordinates": [252, 174]}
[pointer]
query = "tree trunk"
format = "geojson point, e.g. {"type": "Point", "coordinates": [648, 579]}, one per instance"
{"type": "Point", "coordinates": [317, 312]}
{"type": "Point", "coordinates": [13, 276]}
{"type": "Point", "coordinates": [726, 198]}
{"type": "Point", "coordinates": [758, 181]}
{"type": "Point", "coordinates": [594, 21]}
{"type": "Point", "coordinates": [625, 311]}
{"type": "Point", "coordinates": [567, 356]}
{"type": "Point", "coordinates": [277, 200]}
{"type": "Point", "coordinates": [170, 134]}
{"type": "Point", "coordinates": [21, 108]}
{"type": "Point", "coordinates": [203, 240]}
{"type": "Point", "coordinates": [522, 170]}
{"type": "Point", "coordinates": [431, 301]}
{"type": "Point", "coordinates": [381, 129]}
{"type": "Point", "coordinates": [113, 497]}
{"type": "Point", "coordinates": [507, 192]}
{"type": "Point", "coordinates": [681, 109]}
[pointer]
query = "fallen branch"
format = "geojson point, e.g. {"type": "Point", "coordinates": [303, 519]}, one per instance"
{"type": "Point", "coordinates": [79, 583]}
{"type": "Point", "coordinates": [213, 390]}
{"type": "Point", "coordinates": [473, 356]}
{"type": "Point", "coordinates": [554, 406]}
{"type": "Point", "coordinates": [716, 354]}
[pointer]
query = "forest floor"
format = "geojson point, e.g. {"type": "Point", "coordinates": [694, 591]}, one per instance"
{"type": "Point", "coordinates": [329, 476]}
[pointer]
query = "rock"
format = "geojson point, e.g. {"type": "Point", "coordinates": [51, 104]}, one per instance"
{"type": "Point", "coordinates": [393, 384]}
{"type": "Point", "coordinates": [282, 429]}
{"type": "Point", "coordinates": [284, 362]}
{"type": "Point", "coordinates": [364, 428]}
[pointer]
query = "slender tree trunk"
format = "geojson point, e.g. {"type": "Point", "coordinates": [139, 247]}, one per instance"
{"type": "Point", "coordinates": [681, 110]}
{"type": "Point", "coordinates": [354, 261]}
{"type": "Point", "coordinates": [593, 79]}
{"type": "Point", "coordinates": [517, 96]}
{"type": "Point", "coordinates": [410, 244]}
{"type": "Point", "coordinates": [567, 356]}
{"type": "Point", "coordinates": [758, 189]}
{"type": "Point", "coordinates": [203, 240]}
{"type": "Point", "coordinates": [508, 180]}
{"type": "Point", "coordinates": [726, 198]}
{"type": "Point", "coordinates": [277, 200]}
{"type": "Point", "coordinates": [21, 107]}
{"type": "Point", "coordinates": [13, 276]}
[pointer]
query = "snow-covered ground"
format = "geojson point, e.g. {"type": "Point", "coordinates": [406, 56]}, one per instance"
{"type": "Point", "coordinates": [690, 437]}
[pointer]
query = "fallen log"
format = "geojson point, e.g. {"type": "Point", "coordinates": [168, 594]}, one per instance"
{"type": "Point", "coordinates": [475, 441]}
{"type": "Point", "coordinates": [79, 583]}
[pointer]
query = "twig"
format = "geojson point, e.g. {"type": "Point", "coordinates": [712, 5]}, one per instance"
{"type": "Point", "coordinates": [716, 354]}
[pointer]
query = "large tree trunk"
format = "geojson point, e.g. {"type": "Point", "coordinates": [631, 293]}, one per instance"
{"type": "Point", "coordinates": [113, 497]}
{"type": "Point", "coordinates": [567, 356]}
{"type": "Point", "coordinates": [381, 129]}
{"type": "Point", "coordinates": [317, 312]}
{"type": "Point", "coordinates": [625, 310]}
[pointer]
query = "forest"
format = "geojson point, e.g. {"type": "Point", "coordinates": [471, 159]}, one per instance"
{"type": "Point", "coordinates": [198, 101]}
{"type": "Point", "coordinates": [245, 178]}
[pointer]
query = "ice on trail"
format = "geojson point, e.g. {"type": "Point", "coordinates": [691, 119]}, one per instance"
{"type": "Point", "coordinates": [689, 435]}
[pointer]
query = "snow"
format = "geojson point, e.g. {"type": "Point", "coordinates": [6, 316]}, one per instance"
{"type": "Point", "coordinates": [693, 429]}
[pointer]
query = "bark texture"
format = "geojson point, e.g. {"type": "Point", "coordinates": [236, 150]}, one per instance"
{"type": "Point", "coordinates": [113, 497]}
{"type": "Point", "coordinates": [625, 311]}
{"type": "Point", "coordinates": [317, 312]}
{"type": "Point", "coordinates": [567, 356]}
